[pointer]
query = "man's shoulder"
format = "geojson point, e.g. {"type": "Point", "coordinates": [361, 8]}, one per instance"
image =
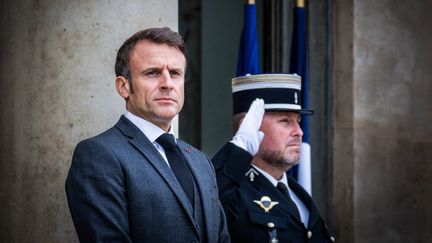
{"type": "Point", "coordinates": [108, 136]}
{"type": "Point", "coordinates": [231, 155]}
{"type": "Point", "coordinates": [112, 134]}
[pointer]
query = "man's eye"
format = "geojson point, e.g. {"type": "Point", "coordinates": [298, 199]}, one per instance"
{"type": "Point", "coordinates": [175, 74]}
{"type": "Point", "coordinates": [151, 73]}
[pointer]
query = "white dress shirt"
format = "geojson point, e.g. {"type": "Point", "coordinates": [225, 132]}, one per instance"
{"type": "Point", "coordinates": [151, 131]}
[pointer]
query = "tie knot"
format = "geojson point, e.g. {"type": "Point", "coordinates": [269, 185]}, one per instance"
{"type": "Point", "coordinates": [283, 188]}
{"type": "Point", "coordinates": [167, 141]}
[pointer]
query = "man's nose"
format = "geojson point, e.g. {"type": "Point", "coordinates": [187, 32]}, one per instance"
{"type": "Point", "coordinates": [166, 81]}
{"type": "Point", "coordinates": [297, 130]}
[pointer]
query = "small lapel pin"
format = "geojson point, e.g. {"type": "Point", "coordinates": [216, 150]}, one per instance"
{"type": "Point", "coordinates": [266, 203]}
{"type": "Point", "coordinates": [251, 174]}
{"type": "Point", "coordinates": [188, 150]}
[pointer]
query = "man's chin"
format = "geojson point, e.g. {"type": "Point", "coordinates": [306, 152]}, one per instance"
{"type": "Point", "coordinates": [168, 114]}
{"type": "Point", "coordinates": [292, 160]}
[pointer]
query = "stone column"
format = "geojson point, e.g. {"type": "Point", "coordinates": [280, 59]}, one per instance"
{"type": "Point", "coordinates": [393, 121]}
{"type": "Point", "coordinates": [343, 90]}
{"type": "Point", "coordinates": [382, 168]}
{"type": "Point", "coordinates": [57, 84]}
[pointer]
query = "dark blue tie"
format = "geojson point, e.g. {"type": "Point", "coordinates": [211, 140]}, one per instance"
{"type": "Point", "coordinates": [284, 189]}
{"type": "Point", "coordinates": [178, 164]}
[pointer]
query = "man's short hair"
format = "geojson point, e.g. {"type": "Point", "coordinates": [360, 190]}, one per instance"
{"type": "Point", "coordinates": [156, 35]}
{"type": "Point", "coordinates": [236, 121]}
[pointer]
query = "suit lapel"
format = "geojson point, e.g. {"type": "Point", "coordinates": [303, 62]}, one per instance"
{"type": "Point", "coordinates": [306, 199]}
{"type": "Point", "coordinates": [202, 184]}
{"type": "Point", "coordinates": [147, 149]}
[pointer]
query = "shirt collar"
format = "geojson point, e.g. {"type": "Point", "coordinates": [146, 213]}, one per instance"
{"type": "Point", "coordinates": [150, 130]}
{"type": "Point", "coordinates": [273, 181]}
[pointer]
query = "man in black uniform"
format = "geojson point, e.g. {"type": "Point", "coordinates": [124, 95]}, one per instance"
{"type": "Point", "coordinates": [261, 202]}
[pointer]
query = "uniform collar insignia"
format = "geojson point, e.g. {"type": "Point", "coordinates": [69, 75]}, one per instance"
{"type": "Point", "coordinates": [251, 174]}
{"type": "Point", "coordinates": [266, 203]}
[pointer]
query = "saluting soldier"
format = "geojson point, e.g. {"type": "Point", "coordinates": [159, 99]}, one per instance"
{"type": "Point", "coordinates": [261, 202]}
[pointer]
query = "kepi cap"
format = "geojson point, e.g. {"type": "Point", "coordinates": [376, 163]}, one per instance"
{"type": "Point", "coordinates": [280, 92]}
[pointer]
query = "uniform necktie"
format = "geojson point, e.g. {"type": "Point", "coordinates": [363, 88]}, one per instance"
{"type": "Point", "coordinates": [284, 190]}
{"type": "Point", "coordinates": [178, 164]}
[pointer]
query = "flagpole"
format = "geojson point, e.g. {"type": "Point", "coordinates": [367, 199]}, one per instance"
{"type": "Point", "coordinates": [275, 22]}
{"type": "Point", "coordinates": [300, 3]}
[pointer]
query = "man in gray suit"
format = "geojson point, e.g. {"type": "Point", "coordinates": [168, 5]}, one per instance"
{"type": "Point", "coordinates": [135, 182]}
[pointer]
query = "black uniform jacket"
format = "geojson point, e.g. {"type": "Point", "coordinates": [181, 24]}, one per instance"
{"type": "Point", "coordinates": [242, 193]}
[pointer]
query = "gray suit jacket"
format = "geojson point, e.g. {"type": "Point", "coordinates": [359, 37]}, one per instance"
{"type": "Point", "coordinates": [120, 189]}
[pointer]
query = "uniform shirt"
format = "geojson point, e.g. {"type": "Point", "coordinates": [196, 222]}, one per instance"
{"type": "Point", "coordinates": [304, 212]}
{"type": "Point", "coordinates": [151, 131]}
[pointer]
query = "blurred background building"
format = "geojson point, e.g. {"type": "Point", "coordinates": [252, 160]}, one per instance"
{"type": "Point", "coordinates": [370, 84]}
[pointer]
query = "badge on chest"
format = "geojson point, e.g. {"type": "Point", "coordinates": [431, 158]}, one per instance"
{"type": "Point", "coordinates": [266, 203]}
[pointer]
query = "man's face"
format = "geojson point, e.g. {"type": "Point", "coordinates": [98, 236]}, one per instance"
{"type": "Point", "coordinates": [282, 139]}
{"type": "Point", "coordinates": [157, 71]}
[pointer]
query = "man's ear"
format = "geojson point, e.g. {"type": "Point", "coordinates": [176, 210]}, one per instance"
{"type": "Point", "coordinates": [122, 86]}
